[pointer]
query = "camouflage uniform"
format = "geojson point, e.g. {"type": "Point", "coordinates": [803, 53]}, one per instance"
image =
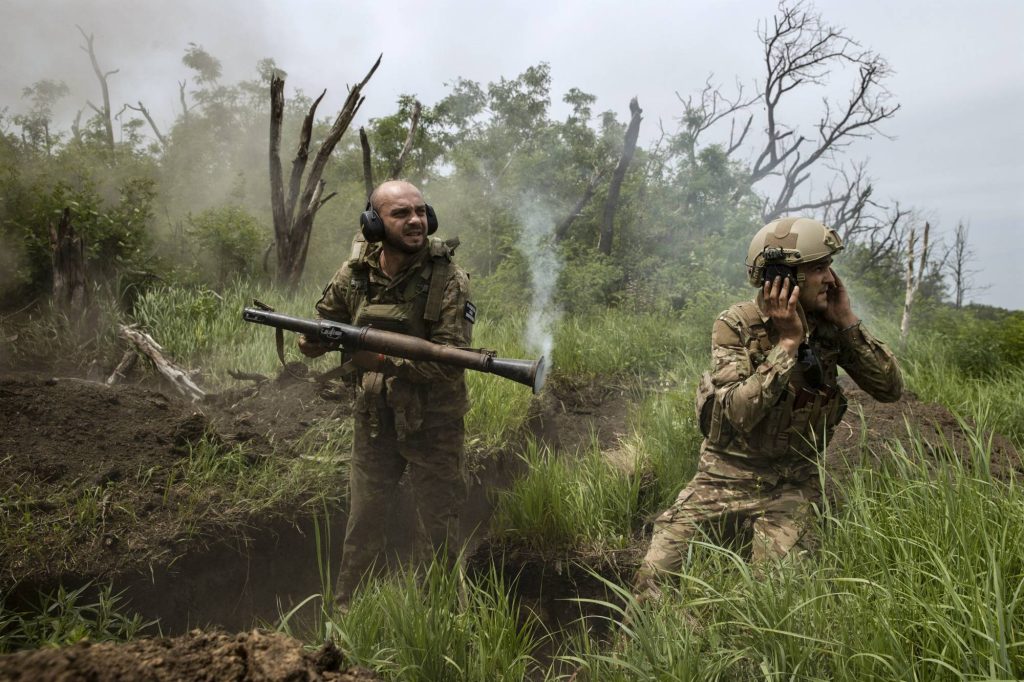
{"type": "Point", "coordinates": [408, 416]}
{"type": "Point", "coordinates": [766, 429]}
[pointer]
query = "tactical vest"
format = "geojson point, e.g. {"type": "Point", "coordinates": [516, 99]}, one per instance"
{"type": "Point", "coordinates": [413, 306]}
{"type": "Point", "coordinates": [803, 415]}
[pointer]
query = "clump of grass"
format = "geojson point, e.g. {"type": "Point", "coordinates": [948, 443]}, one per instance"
{"type": "Point", "coordinates": [617, 342]}
{"type": "Point", "coordinates": [433, 625]}
{"type": "Point", "coordinates": [246, 484]}
{"type": "Point", "coordinates": [664, 440]}
{"type": "Point", "coordinates": [201, 328]}
{"type": "Point", "coordinates": [63, 617]}
{"type": "Point", "coordinates": [498, 407]}
{"type": "Point", "coordinates": [565, 502]}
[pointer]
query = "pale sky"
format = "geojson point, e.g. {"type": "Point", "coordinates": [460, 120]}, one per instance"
{"type": "Point", "coordinates": [959, 74]}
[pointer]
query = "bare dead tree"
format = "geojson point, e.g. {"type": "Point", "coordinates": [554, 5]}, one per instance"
{"type": "Point", "coordinates": [364, 143]}
{"type": "Point", "coordinates": [958, 265]}
{"type": "Point", "coordinates": [105, 114]}
{"type": "Point", "coordinates": [414, 121]}
{"type": "Point", "coordinates": [799, 49]}
{"type": "Point", "coordinates": [711, 107]}
{"type": "Point", "coordinates": [294, 213]}
{"type": "Point", "coordinates": [67, 249]}
{"type": "Point", "coordinates": [913, 280]}
{"type": "Point", "coordinates": [152, 124]}
{"type": "Point", "coordinates": [612, 203]}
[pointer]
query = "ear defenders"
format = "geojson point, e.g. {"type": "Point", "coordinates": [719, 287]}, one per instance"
{"type": "Point", "coordinates": [373, 227]}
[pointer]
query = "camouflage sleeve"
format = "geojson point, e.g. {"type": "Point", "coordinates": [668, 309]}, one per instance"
{"type": "Point", "coordinates": [333, 304]}
{"type": "Point", "coordinates": [454, 328]}
{"type": "Point", "coordinates": [746, 392]}
{"type": "Point", "coordinates": [870, 363]}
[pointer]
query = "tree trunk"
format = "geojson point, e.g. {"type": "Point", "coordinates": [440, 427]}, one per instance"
{"type": "Point", "coordinates": [105, 114]}
{"type": "Point", "coordinates": [70, 291]}
{"type": "Point", "coordinates": [913, 281]}
{"type": "Point", "coordinates": [612, 203]}
{"type": "Point", "coordinates": [414, 122]}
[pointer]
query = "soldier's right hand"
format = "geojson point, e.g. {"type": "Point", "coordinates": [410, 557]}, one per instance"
{"type": "Point", "coordinates": [313, 348]}
{"type": "Point", "coordinates": [780, 304]}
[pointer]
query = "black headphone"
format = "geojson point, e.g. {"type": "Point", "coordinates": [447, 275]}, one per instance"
{"type": "Point", "coordinates": [373, 227]}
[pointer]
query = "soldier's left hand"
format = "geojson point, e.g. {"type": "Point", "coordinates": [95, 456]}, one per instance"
{"type": "Point", "coordinates": [839, 312]}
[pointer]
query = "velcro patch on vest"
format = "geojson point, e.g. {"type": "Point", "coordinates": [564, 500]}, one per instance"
{"type": "Point", "coordinates": [470, 313]}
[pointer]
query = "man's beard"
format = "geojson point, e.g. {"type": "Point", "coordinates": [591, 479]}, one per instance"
{"type": "Point", "coordinates": [402, 246]}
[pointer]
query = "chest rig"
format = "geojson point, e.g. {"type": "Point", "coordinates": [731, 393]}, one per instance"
{"type": "Point", "coordinates": [411, 303]}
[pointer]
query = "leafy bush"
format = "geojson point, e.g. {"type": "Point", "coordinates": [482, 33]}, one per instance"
{"type": "Point", "coordinates": [229, 241]}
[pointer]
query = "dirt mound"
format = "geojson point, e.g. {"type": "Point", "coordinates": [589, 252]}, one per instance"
{"type": "Point", "coordinates": [90, 474]}
{"type": "Point", "coordinates": [60, 431]}
{"type": "Point", "coordinates": [246, 657]}
{"type": "Point", "coordinates": [870, 427]}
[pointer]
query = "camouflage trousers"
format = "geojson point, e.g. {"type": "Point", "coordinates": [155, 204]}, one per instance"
{"type": "Point", "coordinates": [432, 458]}
{"type": "Point", "coordinates": [726, 498]}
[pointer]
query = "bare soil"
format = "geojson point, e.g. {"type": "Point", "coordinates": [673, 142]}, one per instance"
{"type": "Point", "coordinates": [198, 656]}
{"type": "Point", "coordinates": [62, 436]}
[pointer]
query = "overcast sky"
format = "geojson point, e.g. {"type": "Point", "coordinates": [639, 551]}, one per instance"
{"type": "Point", "coordinates": [959, 74]}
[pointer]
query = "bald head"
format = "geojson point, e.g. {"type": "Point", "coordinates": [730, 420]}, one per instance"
{"type": "Point", "coordinates": [392, 188]}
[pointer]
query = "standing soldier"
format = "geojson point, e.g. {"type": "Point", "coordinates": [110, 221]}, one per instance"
{"type": "Point", "coordinates": [772, 400]}
{"type": "Point", "coordinates": [408, 414]}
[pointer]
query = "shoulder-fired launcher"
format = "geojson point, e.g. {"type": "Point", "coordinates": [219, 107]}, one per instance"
{"type": "Point", "coordinates": [352, 338]}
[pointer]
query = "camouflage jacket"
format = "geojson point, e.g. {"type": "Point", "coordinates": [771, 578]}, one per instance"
{"type": "Point", "coordinates": [765, 410]}
{"type": "Point", "coordinates": [428, 299]}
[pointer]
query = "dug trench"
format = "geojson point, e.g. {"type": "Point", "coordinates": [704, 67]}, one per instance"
{"type": "Point", "coordinates": [64, 440]}
{"type": "Point", "coordinates": [69, 439]}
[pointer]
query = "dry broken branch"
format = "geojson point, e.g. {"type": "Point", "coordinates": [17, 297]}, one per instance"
{"type": "Point", "coordinates": [178, 377]}
{"type": "Point", "coordinates": [364, 143]}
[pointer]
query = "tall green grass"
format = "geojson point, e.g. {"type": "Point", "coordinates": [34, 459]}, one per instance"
{"type": "Point", "coordinates": [203, 329]}
{"type": "Point", "coordinates": [618, 342]}
{"type": "Point", "coordinates": [433, 624]}
{"type": "Point", "coordinates": [566, 502]}
{"type": "Point", "coordinates": [919, 577]}
{"type": "Point", "coordinates": [63, 617]}
{"type": "Point", "coordinates": [594, 501]}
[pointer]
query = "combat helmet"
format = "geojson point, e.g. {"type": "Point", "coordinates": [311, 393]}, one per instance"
{"type": "Point", "coordinates": [789, 241]}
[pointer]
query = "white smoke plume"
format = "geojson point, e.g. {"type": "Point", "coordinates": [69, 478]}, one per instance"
{"type": "Point", "coordinates": [536, 243]}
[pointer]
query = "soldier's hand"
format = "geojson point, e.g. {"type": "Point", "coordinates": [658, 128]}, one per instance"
{"type": "Point", "coordinates": [780, 304]}
{"type": "Point", "coordinates": [839, 310]}
{"type": "Point", "coordinates": [313, 348]}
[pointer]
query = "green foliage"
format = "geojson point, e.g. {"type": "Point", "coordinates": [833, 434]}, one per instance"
{"type": "Point", "coordinates": [581, 503]}
{"type": "Point", "coordinates": [62, 617]}
{"type": "Point", "coordinates": [199, 327]}
{"type": "Point", "coordinates": [437, 625]}
{"type": "Point", "coordinates": [978, 342]}
{"type": "Point", "coordinates": [229, 241]}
